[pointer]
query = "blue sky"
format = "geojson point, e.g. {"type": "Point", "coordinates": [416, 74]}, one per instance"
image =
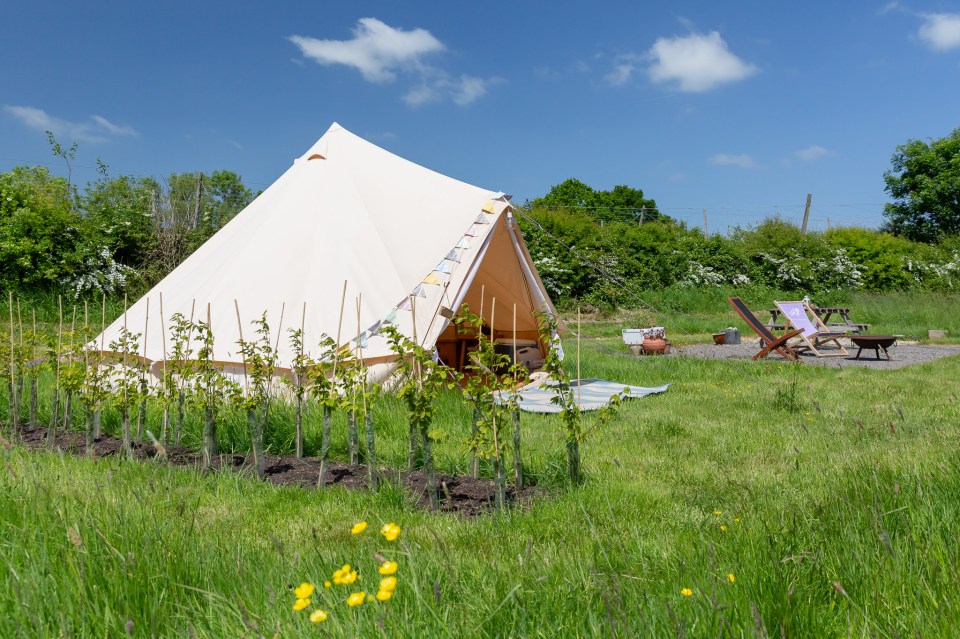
{"type": "Point", "coordinates": [741, 108]}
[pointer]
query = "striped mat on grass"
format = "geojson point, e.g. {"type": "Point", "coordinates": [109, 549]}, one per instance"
{"type": "Point", "coordinates": [593, 394]}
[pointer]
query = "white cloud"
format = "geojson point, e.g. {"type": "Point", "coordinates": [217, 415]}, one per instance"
{"type": "Point", "coordinates": [941, 31]}
{"type": "Point", "coordinates": [463, 91]}
{"type": "Point", "coordinates": [381, 53]}
{"type": "Point", "coordinates": [812, 152]}
{"type": "Point", "coordinates": [743, 160]}
{"type": "Point", "coordinates": [377, 50]}
{"type": "Point", "coordinates": [696, 62]}
{"type": "Point", "coordinates": [421, 95]}
{"type": "Point", "coordinates": [468, 89]}
{"type": "Point", "coordinates": [624, 66]}
{"type": "Point", "coordinates": [99, 130]}
{"type": "Point", "coordinates": [111, 128]}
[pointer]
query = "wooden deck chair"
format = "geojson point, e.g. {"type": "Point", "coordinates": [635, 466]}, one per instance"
{"type": "Point", "coordinates": [771, 343]}
{"type": "Point", "coordinates": [813, 332]}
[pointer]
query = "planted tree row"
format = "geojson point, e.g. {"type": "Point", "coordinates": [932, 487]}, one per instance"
{"type": "Point", "coordinates": [86, 377]}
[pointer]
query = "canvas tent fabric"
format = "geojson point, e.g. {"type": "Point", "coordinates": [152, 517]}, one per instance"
{"type": "Point", "coordinates": [407, 241]}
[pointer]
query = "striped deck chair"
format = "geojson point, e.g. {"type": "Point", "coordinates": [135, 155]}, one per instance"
{"type": "Point", "coordinates": [771, 343]}
{"type": "Point", "coordinates": [813, 332]}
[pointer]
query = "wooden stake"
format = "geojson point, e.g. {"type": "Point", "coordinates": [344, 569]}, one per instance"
{"type": "Point", "coordinates": [55, 408]}
{"type": "Point", "coordinates": [578, 358]}
{"type": "Point", "coordinates": [125, 417]}
{"type": "Point", "coordinates": [343, 301]}
{"type": "Point", "coordinates": [806, 214]}
{"type": "Point", "coordinates": [246, 385]}
{"type": "Point", "coordinates": [14, 418]}
{"type": "Point", "coordinates": [493, 396]}
{"type": "Point", "coordinates": [165, 426]}
{"type": "Point", "coordinates": [142, 411]}
{"type": "Point", "coordinates": [517, 459]}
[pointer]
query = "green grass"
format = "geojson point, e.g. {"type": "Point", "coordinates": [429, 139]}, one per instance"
{"type": "Point", "coordinates": [837, 476]}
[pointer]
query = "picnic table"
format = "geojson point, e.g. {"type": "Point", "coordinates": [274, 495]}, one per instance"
{"type": "Point", "coordinates": [842, 324]}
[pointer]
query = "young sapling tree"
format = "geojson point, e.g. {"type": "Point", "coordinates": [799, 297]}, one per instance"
{"type": "Point", "coordinates": [324, 387]}
{"type": "Point", "coordinates": [126, 382]}
{"type": "Point", "coordinates": [260, 363]}
{"type": "Point", "coordinates": [300, 369]}
{"type": "Point", "coordinates": [211, 390]}
{"type": "Point", "coordinates": [566, 396]}
{"type": "Point", "coordinates": [421, 381]}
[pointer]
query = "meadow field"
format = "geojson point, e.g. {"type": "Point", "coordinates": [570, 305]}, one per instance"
{"type": "Point", "coordinates": [751, 499]}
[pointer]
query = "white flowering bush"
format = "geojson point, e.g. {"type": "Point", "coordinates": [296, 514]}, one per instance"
{"type": "Point", "coordinates": [99, 273]}
{"type": "Point", "coordinates": [934, 274]}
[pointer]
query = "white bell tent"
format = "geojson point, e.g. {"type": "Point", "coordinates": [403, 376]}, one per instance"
{"type": "Point", "coordinates": [410, 243]}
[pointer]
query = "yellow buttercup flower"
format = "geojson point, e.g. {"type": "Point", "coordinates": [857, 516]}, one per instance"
{"type": "Point", "coordinates": [358, 528]}
{"type": "Point", "coordinates": [730, 577]}
{"type": "Point", "coordinates": [384, 595]}
{"type": "Point", "coordinates": [300, 604]}
{"type": "Point", "coordinates": [303, 591]}
{"type": "Point", "coordinates": [369, 598]}
{"type": "Point", "coordinates": [736, 519]}
{"type": "Point", "coordinates": [356, 599]}
{"type": "Point", "coordinates": [391, 531]}
{"type": "Point", "coordinates": [345, 575]}
{"type": "Point", "coordinates": [718, 512]}
{"type": "Point", "coordinates": [318, 615]}
{"type": "Point", "coordinates": [686, 592]}
{"type": "Point", "coordinates": [326, 584]}
{"type": "Point", "coordinates": [387, 568]}
{"type": "Point", "coordinates": [388, 583]}
{"type": "Point", "coordinates": [723, 528]}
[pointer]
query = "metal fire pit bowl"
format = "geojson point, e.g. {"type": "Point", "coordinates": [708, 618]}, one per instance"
{"type": "Point", "coordinates": [874, 342]}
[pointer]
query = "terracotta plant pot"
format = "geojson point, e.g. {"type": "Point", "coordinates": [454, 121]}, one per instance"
{"type": "Point", "coordinates": [654, 345]}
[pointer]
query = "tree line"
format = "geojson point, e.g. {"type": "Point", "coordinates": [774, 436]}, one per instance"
{"type": "Point", "coordinates": [124, 233]}
{"type": "Point", "coordinates": [117, 233]}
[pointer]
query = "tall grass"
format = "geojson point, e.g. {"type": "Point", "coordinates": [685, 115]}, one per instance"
{"type": "Point", "coordinates": [840, 518]}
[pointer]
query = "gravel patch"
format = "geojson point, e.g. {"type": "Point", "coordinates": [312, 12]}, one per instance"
{"type": "Point", "coordinates": [903, 353]}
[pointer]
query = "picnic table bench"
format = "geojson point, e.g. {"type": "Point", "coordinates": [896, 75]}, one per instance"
{"type": "Point", "coordinates": [842, 325]}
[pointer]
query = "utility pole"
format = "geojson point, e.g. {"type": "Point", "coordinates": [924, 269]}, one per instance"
{"type": "Point", "coordinates": [806, 214]}
{"type": "Point", "coordinates": [704, 222]}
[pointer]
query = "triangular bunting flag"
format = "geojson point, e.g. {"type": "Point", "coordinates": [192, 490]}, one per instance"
{"type": "Point", "coordinates": [419, 292]}
{"type": "Point", "coordinates": [431, 279]}
{"type": "Point", "coordinates": [481, 219]}
{"type": "Point", "coordinates": [471, 232]}
{"type": "Point", "coordinates": [463, 243]}
{"type": "Point", "coordinates": [391, 317]}
{"type": "Point", "coordinates": [375, 329]}
{"type": "Point", "coordinates": [404, 305]}
{"type": "Point", "coordinates": [442, 268]}
{"type": "Point", "coordinates": [488, 207]}
{"type": "Point", "coordinates": [452, 256]}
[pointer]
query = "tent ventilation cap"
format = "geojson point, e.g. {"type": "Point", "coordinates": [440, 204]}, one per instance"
{"type": "Point", "coordinates": [316, 156]}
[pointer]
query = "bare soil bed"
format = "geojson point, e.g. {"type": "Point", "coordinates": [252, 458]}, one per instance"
{"type": "Point", "coordinates": [462, 495]}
